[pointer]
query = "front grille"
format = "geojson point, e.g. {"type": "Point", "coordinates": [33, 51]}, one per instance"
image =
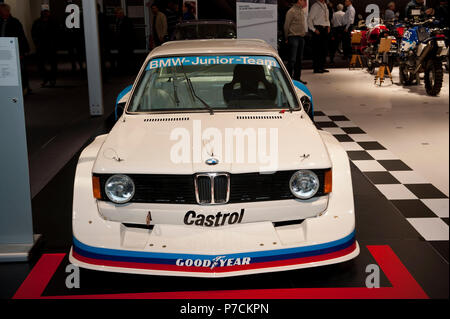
{"type": "Point", "coordinates": [241, 188]}
{"type": "Point", "coordinates": [212, 188]}
{"type": "Point", "coordinates": [204, 189]}
{"type": "Point", "coordinates": [221, 189]}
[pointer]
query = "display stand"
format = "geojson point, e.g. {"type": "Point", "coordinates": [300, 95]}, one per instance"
{"type": "Point", "coordinates": [356, 57]}
{"type": "Point", "coordinates": [16, 228]}
{"type": "Point", "coordinates": [384, 48]}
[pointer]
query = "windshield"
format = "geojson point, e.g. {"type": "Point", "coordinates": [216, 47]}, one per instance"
{"type": "Point", "coordinates": [212, 83]}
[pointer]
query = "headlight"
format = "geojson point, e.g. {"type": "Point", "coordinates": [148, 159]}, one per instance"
{"type": "Point", "coordinates": [119, 189]}
{"type": "Point", "coordinates": [304, 184]}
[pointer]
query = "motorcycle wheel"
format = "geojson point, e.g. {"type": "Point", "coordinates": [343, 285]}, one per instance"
{"type": "Point", "coordinates": [370, 66]}
{"type": "Point", "coordinates": [390, 65]}
{"type": "Point", "coordinates": [434, 75]}
{"type": "Point", "coordinates": [407, 77]}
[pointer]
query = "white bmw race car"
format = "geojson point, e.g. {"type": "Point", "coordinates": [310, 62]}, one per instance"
{"type": "Point", "coordinates": [214, 169]}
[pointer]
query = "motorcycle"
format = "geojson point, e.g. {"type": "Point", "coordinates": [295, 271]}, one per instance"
{"type": "Point", "coordinates": [371, 42]}
{"type": "Point", "coordinates": [423, 50]}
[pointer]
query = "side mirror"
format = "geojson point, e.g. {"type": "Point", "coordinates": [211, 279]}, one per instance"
{"type": "Point", "coordinates": [121, 101]}
{"type": "Point", "coordinates": [307, 106]}
{"type": "Point", "coordinates": [305, 98]}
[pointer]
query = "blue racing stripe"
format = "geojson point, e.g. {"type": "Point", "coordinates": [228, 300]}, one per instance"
{"type": "Point", "coordinates": [159, 257]}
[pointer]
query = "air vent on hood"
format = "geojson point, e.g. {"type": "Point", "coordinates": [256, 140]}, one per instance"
{"type": "Point", "coordinates": [260, 117]}
{"type": "Point", "coordinates": [167, 119]}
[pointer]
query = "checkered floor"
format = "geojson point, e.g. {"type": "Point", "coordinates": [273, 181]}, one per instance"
{"type": "Point", "coordinates": [422, 204]}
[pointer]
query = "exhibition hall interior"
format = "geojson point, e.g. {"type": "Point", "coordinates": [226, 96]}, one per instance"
{"type": "Point", "coordinates": [224, 149]}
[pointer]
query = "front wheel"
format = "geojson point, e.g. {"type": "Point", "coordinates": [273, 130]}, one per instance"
{"type": "Point", "coordinates": [390, 64]}
{"type": "Point", "coordinates": [434, 75]}
{"type": "Point", "coordinates": [370, 66]}
{"type": "Point", "coordinates": [408, 77]}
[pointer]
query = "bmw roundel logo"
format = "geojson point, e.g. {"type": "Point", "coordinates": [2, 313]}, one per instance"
{"type": "Point", "coordinates": [212, 161]}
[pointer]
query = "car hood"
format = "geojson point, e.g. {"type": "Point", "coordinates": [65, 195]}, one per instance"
{"type": "Point", "coordinates": [173, 144]}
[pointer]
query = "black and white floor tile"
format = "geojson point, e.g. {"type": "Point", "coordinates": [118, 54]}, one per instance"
{"type": "Point", "coordinates": [424, 206]}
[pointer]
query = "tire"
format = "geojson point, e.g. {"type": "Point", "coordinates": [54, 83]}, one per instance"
{"type": "Point", "coordinates": [404, 78]}
{"type": "Point", "coordinates": [407, 77]}
{"type": "Point", "coordinates": [434, 75]}
{"type": "Point", "coordinates": [390, 64]}
{"type": "Point", "coordinates": [370, 66]}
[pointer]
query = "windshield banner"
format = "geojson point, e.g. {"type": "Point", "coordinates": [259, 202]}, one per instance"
{"type": "Point", "coordinates": [211, 60]}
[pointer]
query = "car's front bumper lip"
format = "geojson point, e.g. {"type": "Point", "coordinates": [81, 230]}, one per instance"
{"type": "Point", "coordinates": [242, 263]}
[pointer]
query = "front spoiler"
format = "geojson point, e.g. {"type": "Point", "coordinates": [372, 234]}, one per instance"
{"type": "Point", "coordinates": [224, 265]}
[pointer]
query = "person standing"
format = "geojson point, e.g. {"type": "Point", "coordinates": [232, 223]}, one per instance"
{"type": "Point", "coordinates": [159, 26]}
{"type": "Point", "coordinates": [104, 36]}
{"type": "Point", "coordinates": [418, 5]}
{"type": "Point", "coordinates": [172, 16]}
{"type": "Point", "coordinates": [74, 40]}
{"type": "Point", "coordinates": [188, 12]}
{"type": "Point", "coordinates": [349, 20]}
{"type": "Point", "coordinates": [319, 24]}
{"type": "Point", "coordinates": [338, 16]}
{"type": "Point", "coordinates": [442, 14]}
{"type": "Point", "coordinates": [11, 27]}
{"type": "Point", "coordinates": [337, 30]}
{"type": "Point", "coordinates": [389, 13]}
{"type": "Point", "coordinates": [45, 34]}
{"type": "Point", "coordinates": [295, 31]}
{"type": "Point", "coordinates": [330, 6]}
{"type": "Point", "coordinates": [125, 42]}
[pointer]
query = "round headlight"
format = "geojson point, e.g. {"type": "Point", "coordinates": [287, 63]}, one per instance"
{"type": "Point", "coordinates": [119, 189]}
{"type": "Point", "coordinates": [304, 184]}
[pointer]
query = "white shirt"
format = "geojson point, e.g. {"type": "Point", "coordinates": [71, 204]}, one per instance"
{"type": "Point", "coordinates": [338, 19]}
{"type": "Point", "coordinates": [318, 15]}
{"type": "Point", "coordinates": [349, 16]}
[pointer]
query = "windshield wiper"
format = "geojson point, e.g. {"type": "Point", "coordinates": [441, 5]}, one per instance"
{"type": "Point", "coordinates": [287, 104]}
{"type": "Point", "coordinates": [175, 91]}
{"type": "Point", "coordinates": [191, 87]}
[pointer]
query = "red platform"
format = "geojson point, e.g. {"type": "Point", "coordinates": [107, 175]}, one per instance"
{"type": "Point", "coordinates": [404, 286]}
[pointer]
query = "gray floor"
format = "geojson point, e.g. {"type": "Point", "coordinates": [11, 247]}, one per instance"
{"type": "Point", "coordinates": [58, 122]}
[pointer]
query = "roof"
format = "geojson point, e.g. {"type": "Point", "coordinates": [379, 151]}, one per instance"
{"type": "Point", "coordinates": [213, 46]}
